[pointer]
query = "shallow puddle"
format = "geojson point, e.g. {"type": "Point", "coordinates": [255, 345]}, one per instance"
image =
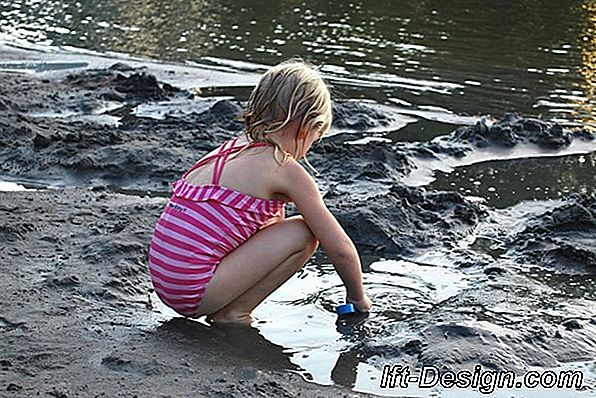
{"type": "Point", "coordinates": [300, 316]}
{"type": "Point", "coordinates": [6, 186]}
{"type": "Point", "coordinates": [352, 352]}
{"type": "Point", "coordinates": [503, 183]}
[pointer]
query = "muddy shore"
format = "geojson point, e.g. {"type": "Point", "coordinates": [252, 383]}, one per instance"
{"type": "Point", "coordinates": [76, 318]}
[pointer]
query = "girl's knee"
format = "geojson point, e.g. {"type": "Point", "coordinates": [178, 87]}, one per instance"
{"type": "Point", "coordinates": [307, 240]}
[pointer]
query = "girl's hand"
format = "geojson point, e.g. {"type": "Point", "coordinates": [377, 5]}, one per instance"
{"type": "Point", "coordinates": [362, 305]}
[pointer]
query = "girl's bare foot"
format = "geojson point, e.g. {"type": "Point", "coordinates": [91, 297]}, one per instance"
{"type": "Point", "coordinates": [231, 317]}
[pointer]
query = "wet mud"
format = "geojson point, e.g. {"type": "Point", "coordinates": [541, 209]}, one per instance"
{"type": "Point", "coordinates": [406, 220]}
{"type": "Point", "coordinates": [563, 238]}
{"type": "Point", "coordinates": [513, 129]}
{"type": "Point", "coordinates": [78, 318]}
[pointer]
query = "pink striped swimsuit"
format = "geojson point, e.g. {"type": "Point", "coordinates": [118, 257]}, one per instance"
{"type": "Point", "coordinates": [200, 225]}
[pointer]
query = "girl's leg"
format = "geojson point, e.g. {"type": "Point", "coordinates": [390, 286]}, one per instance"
{"type": "Point", "coordinates": [249, 274]}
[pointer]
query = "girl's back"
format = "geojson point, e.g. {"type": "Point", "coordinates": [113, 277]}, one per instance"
{"type": "Point", "coordinates": [252, 171]}
{"type": "Point", "coordinates": [205, 220]}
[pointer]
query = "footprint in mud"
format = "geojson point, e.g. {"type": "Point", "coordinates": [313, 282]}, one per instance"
{"type": "Point", "coordinates": [124, 362]}
{"type": "Point", "coordinates": [62, 280]}
{"type": "Point", "coordinates": [9, 326]}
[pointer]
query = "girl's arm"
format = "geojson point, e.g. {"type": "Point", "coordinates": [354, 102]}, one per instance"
{"type": "Point", "coordinates": [297, 184]}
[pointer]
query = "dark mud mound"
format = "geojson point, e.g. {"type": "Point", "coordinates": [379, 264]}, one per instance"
{"type": "Point", "coordinates": [83, 93]}
{"type": "Point", "coordinates": [112, 85]}
{"type": "Point", "coordinates": [514, 129]}
{"type": "Point", "coordinates": [564, 237]}
{"type": "Point", "coordinates": [137, 153]}
{"type": "Point", "coordinates": [224, 117]}
{"type": "Point", "coordinates": [338, 161]}
{"type": "Point", "coordinates": [79, 153]}
{"type": "Point", "coordinates": [353, 115]}
{"type": "Point", "coordinates": [406, 220]}
{"type": "Point", "coordinates": [511, 130]}
{"type": "Point", "coordinates": [220, 121]}
{"type": "Point", "coordinates": [38, 140]}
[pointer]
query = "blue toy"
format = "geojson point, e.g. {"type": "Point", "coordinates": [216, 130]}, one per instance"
{"type": "Point", "coordinates": [346, 309]}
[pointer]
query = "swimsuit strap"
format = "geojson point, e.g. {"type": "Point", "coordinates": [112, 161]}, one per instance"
{"type": "Point", "coordinates": [221, 156]}
{"type": "Point", "coordinates": [220, 160]}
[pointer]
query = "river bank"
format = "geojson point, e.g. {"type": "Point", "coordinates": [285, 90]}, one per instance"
{"type": "Point", "coordinates": [101, 146]}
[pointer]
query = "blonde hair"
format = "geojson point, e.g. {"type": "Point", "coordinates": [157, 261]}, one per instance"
{"type": "Point", "coordinates": [292, 90]}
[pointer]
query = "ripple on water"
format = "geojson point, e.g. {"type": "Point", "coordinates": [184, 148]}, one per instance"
{"type": "Point", "coordinates": [300, 314]}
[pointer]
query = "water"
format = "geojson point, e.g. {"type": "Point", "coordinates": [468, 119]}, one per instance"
{"type": "Point", "coordinates": [470, 57]}
{"type": "Point", "coordinates": [503, 183]}
{"type": "Point", "coordinates": [439, 65]}
{"type": "Point", "coordinates": [6, 186]}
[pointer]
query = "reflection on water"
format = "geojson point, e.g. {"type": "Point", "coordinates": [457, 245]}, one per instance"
{"type": "Point", "coordinates": [535, 57]}
{"type": "Point", "coordinates": [164, 28]}
{"type": "Point", "coordinates": [503, 183]}
{"type": "Point", "coordinates": [300, 315]}
{"type": "Point", "coordinates": [586, 109]}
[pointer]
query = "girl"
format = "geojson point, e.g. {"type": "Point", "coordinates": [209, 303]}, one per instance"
{"type": "Point", "coordinates": [223, 244]}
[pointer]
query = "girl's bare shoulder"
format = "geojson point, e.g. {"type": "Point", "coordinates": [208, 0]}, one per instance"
{"type": "Point", "coordinates": [293, 180]}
